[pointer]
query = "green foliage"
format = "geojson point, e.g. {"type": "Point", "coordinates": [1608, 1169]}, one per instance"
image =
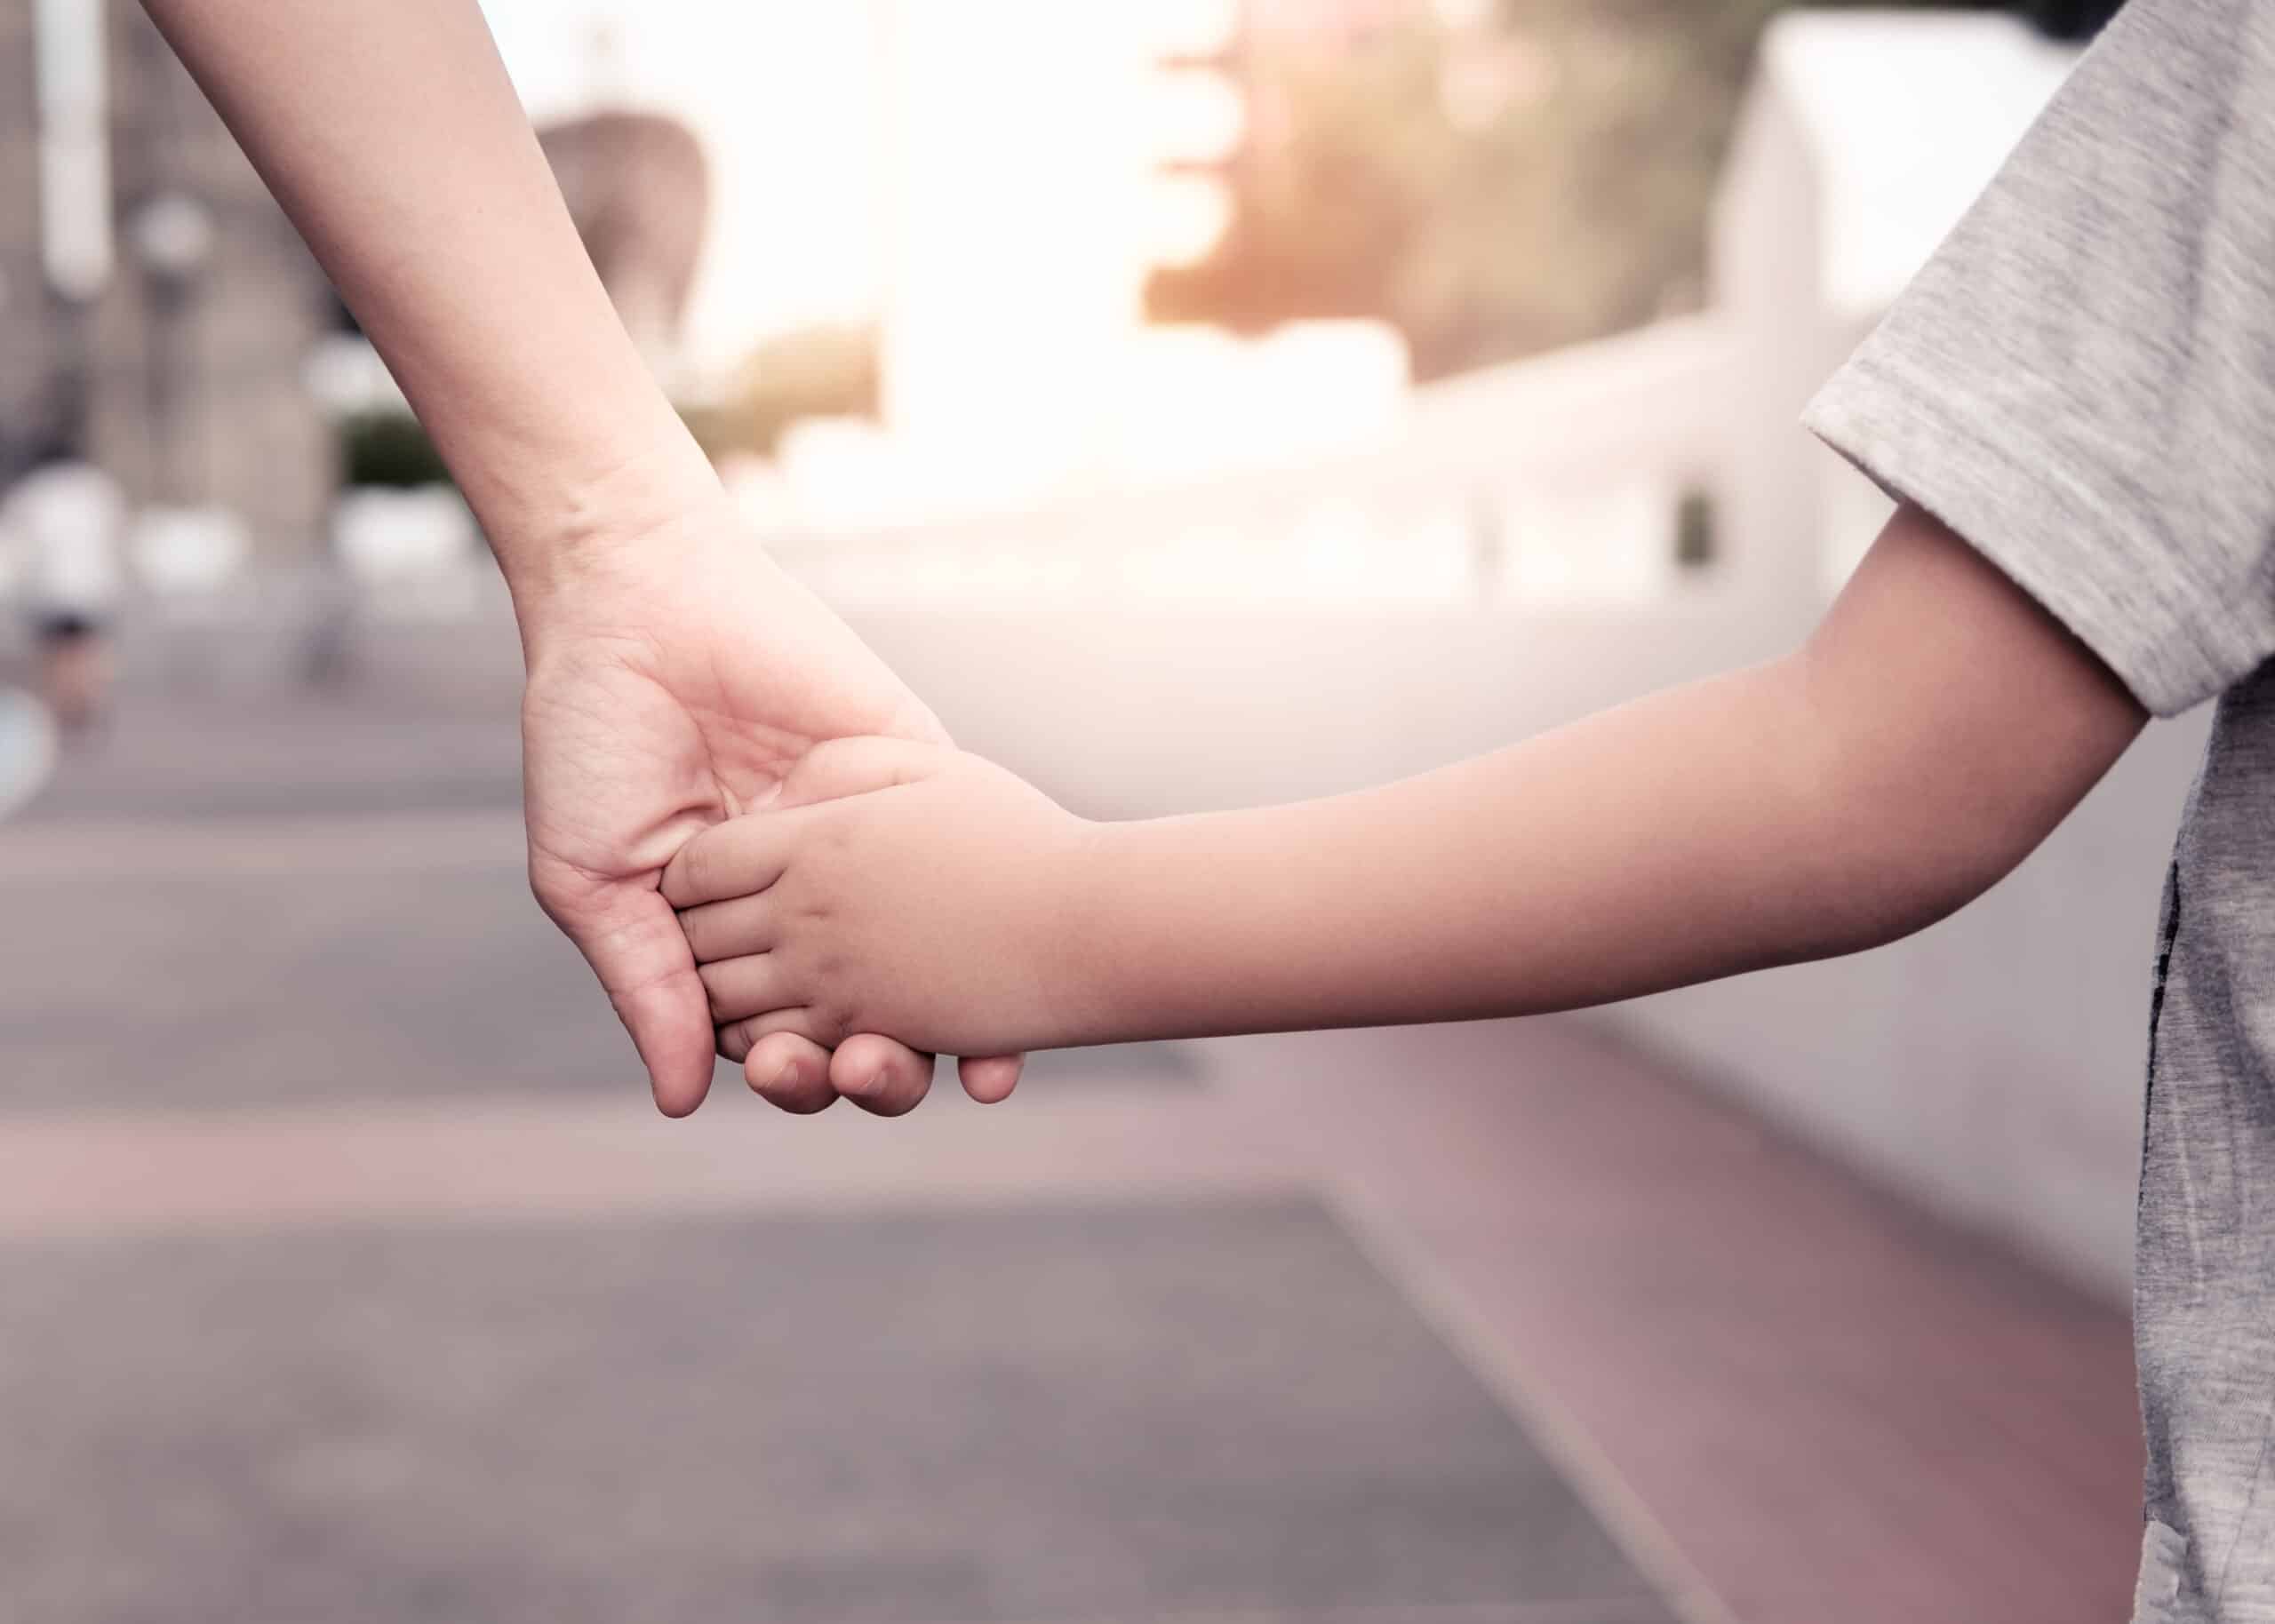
{"type": "Point", "coordinates": [389, 448]}
{"type": "Point", "coordinates": [829, 371]}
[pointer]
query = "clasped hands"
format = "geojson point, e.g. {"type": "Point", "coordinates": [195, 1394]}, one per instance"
{"type": "Point", "coordinates": [697, 732]}
{"type": "Point", "coordinates": [894, 887]}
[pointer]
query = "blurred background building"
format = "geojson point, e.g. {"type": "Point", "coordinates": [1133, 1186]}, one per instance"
{"type": "Point", "coordinates": [162, 314]}
{"type": "Point", "coordinates": [1248, 228]}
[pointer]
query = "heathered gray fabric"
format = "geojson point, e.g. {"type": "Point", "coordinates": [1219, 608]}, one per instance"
{"type": "Point", "coordinates": [2082, 382]}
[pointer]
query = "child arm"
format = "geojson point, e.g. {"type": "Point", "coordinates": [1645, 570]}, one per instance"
{"type": "Point", "coordinates": [1934, 729]}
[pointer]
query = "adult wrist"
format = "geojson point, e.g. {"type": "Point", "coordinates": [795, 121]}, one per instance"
{"type": "Point", "coordinates": [612, 507]}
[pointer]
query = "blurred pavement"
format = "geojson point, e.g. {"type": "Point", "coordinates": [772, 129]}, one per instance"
{"type": "Point", "coordinates": [345, 1275]}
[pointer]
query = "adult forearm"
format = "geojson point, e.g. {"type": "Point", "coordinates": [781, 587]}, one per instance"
{"type": "Point", "coordinates": [394, 138]}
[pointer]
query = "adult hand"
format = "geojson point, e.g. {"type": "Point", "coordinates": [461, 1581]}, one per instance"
{"type": "Point", "coordinates": [675, 677]}
{"type": "Point", "coordinates": [674, 674]}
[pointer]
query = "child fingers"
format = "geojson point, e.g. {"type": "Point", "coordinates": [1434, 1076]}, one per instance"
{"type": "Point", "coordinates": [736, 859]}
{"type": "Point", "coordinates": [842, 767]}
{"type": "Point", "coordinates": [736, 1038]}
{"type": "Point", "coordinates": [731, 929]}
{"type": "Point", "coordinates": [754, 985]}
{"type": "Point", "coordinates": [733, 1043]}
{"type": "Point", "coordinates": [883, 1078]}
{"type": "Point", "coordinates": [790, 1072]}
{"type": "Point", "coordinates": [990, 1079]}
{"type": "Point", "coordinates": [782, 1058]}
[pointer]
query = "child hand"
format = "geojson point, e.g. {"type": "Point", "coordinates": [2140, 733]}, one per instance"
{"type": "Point", "coordinates": [924, 894]}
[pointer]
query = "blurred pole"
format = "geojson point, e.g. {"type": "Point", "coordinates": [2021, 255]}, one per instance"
{"type": "Point", "coordinates": [71, 165]}
{"type": "Point", "coordinates": [71, 68]}
{"type": "Point", "coordinates": [174, 239]}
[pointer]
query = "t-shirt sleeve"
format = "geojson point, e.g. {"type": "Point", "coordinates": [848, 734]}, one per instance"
{"type": "Point", "coordinates": [2081, 382]}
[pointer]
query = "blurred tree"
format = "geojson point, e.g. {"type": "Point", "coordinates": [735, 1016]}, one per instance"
{"type": "Point", "coordinates": [388, 448]}
{"type": "Point", "coordinates": [1490, 191]}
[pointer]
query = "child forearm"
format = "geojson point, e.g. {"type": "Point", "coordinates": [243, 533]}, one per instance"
{"type": "Point", "coordinates": [1669, 841]}
{"type": "Point", "coordinates": [1929, 735]}
{"type": "Point", "coordinates": [1935, 731]}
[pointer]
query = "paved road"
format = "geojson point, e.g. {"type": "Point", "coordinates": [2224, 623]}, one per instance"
{"type": "Point", "coordinates": [292, 898]}
{"type": "Point", "coordinates": [1215, 1411]}
{"type": "Point", "coordinates": [1098, 1382]}
{"type": "Point", "coordinates": [214, 754]}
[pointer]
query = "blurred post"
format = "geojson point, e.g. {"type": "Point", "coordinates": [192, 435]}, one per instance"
{"type": "Point", "coordinates": [70, 63]}
{"type": "Point", "coordinates": [173, 236]}
{"type": "Point", "coordinates": [55, 257]}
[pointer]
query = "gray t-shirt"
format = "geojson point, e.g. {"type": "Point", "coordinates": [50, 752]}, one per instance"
{"type": "Point", "coordinates": [2083, 383]}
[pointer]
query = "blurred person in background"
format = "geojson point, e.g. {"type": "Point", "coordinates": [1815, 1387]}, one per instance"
{"type": "Point", "coordinates": [65, 518]}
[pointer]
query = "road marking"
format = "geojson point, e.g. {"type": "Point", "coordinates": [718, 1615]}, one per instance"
{"type": "Point", "coordinates": [140, 1173]}
{"type": "Point", "coordinates": [1599, 1610]}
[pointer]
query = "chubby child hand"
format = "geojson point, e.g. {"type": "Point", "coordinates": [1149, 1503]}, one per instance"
{"type": "Point", "coordinates": [908, 890]}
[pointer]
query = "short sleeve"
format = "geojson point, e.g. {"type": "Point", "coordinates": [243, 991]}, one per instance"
{"type": "Point", "coordinates": [2081, 381]}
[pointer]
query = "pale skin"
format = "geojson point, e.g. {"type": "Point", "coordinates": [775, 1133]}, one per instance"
{"type": "Point", "coordinates": [1932, 731]}
{"type": "Point", "coordinates": [675, 677]}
